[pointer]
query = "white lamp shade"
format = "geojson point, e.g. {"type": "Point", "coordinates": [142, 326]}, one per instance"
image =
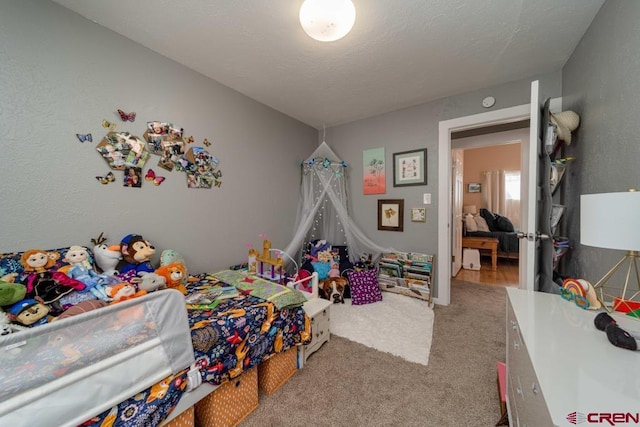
{"type": "Point", "coordinates": [327, 20]}
{"type": "Point", "coordinates": [469, 209]}
{"type": "Point", "coordinates": [610, 220]}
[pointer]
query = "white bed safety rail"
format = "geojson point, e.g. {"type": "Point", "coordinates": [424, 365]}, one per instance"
{"type": "Point", "coordinates": [314, 286]}
{"type": "Point", "coordinates": [65, 372]}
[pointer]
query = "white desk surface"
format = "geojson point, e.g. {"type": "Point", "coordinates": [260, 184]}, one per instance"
{"type": "Point", "coordinates": [577, 367]}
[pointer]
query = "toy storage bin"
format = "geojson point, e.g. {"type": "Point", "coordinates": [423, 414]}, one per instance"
{"type": "Point", "coordinates": [275, 371]}
{"type": "Point", "coordinates": [470, 259]}
{"type": "Point", "coordinates": [185, 419]}
{"type": "Point", "coordinates": [230, 403]}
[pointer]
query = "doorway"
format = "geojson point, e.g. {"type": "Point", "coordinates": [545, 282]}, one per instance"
{"type": "Point", "coordinates": [496, 149]}
{"type": "Point", "coordinates": [445, 128]}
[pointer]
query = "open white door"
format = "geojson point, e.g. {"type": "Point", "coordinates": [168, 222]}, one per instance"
{"type": "Point", "coordinates": [536, 245]}
{"type": "Point", "coordinates": [529, 195]}
{"type": "Point", "coordinates": [457, 169]}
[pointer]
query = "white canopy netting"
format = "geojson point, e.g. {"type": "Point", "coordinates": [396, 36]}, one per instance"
{"type": "Point", "coordinates": [322, 208]}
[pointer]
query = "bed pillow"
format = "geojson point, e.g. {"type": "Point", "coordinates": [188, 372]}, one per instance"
{"type": "Point", "coordinates": [490, 218]}
{"type": "Point", "coordinates": [365, 288]}
{"type": "Point", "coordinates": [470, 224]}
{"type": "Point", "coordinates": [481, 223]}
{"type": "Point", "coordinates": [503, 223]}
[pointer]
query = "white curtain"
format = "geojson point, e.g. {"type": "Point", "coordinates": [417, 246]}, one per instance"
{"type": "Point", "coordinates": [501, 194]}
{"type": "Point", "coordinates": [322, 208]}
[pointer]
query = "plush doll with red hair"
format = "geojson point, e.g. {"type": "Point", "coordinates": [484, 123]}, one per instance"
{"type": "Point", "coordinates": [49, 286]}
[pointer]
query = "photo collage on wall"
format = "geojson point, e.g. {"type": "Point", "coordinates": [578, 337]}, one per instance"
{"type": "Point", "coordinates": [128, 153]}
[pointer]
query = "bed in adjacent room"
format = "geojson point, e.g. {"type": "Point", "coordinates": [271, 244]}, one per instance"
{"type": "Point", "coordinates": [489, 225]}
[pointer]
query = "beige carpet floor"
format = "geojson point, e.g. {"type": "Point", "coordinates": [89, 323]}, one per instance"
{"type": "Point", "coordinates": [347, 384]}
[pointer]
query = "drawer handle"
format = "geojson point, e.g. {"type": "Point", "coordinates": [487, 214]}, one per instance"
{"type": "Point", "coordinates": [514, 325]}
{"type": "Point", "coordinates": [324, 312]}
{"type": "Point", "coordinates": [534, 388]}
{"type": "Point", "coordinates": [519, 392]}
{"type": "Point", "coordinates": [516, 345]}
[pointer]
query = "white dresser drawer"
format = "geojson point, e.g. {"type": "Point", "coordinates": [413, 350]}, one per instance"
{"type": "Point", "coordinates": [319, 312]}
{"type": "Point", "coordinates": [526, 401]}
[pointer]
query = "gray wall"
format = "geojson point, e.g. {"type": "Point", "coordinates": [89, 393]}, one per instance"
{"type": "Point", "coordinates": [61, 74]}
{"type": "Point", "coordinates": [413, 128]}
{"type": "Point", "coordinates": [601, 84]}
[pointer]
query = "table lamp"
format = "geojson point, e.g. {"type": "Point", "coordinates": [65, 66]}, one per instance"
{"type": "Point", "coordinates": [469, 210]}
{"type": "Point", "coordinates": [611, 220]}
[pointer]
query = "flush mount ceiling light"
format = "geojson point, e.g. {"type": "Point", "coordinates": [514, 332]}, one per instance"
{"type": "Point", "coordinates": [327, 20]}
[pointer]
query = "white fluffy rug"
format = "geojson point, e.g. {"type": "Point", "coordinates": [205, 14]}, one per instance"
{"type": "Point", "coordinates": [398, 324]}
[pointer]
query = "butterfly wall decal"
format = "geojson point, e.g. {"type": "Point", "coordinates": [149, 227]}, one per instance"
{"type": "Point", "coordinates": [156, 179]}
{"type": "Point", "coordinates": [190, 140]}
{"type": "Point", "coordinates": [108, 125]}
{"type": "Point", "coordinates": [106, 179]}
{"type": "Point", "coordinates": [206, 142]}
{"type": "Point", "coordinates": [131, 117]}
{"type": "Point", "coordinates": [83, 138]}
{"type": "Point", "coordinates": [217, 183]}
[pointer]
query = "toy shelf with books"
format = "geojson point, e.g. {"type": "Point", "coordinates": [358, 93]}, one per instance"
{"type": "Point", "coordinates": [406, 273]}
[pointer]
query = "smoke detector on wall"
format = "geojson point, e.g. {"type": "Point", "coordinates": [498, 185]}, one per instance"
{"type": "Point", "coordinates": [488, 102]}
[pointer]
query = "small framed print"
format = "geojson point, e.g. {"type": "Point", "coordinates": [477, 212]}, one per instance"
{"type": "Point", "coordinates": [391, 214]}
{"type": "Point", "coordinates": [474, 187]}
{"type": "Point", "coordinates": [410, 168]}
{"type": "Point", "coordinates": [418, 214]}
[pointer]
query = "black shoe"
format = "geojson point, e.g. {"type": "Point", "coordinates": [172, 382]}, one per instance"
{"type": "Point", "coordinates": [620, 338]}
{"type": "Point", "coordinates": [602, 320]}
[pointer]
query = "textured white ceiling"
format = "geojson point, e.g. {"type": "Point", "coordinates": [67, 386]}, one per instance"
{"type": "Point", "coordinates": [400, 53]}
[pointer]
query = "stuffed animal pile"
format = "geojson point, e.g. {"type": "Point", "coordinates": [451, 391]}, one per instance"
{"type": "Point", "coordinates": [44, 286]}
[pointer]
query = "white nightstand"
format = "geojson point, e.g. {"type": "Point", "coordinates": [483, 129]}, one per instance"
{"type": "Point", "coordinates": [318, 310]}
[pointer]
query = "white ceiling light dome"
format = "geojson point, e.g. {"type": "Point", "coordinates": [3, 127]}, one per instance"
{"type": "Point", "coordinates": [327, 20]}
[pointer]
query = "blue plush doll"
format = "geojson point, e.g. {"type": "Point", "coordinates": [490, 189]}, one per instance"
{"type": "Point", "coordinates": [82, 270]}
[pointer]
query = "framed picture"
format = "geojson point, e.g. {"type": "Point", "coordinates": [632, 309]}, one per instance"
{"type": "Point", "coordinates": [473, 187]}
{"type": "Point", "coordinates": [373, 171]}
{"type": "Point", "coordinates": [410, 168]}
{"type": "Point", "coordinates": [418, 214]}
{"type": "Point", "coordinates": [391, 214]}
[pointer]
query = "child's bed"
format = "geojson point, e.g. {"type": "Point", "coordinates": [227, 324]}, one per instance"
{"type": "Point", "coordinates": [101, 358]}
